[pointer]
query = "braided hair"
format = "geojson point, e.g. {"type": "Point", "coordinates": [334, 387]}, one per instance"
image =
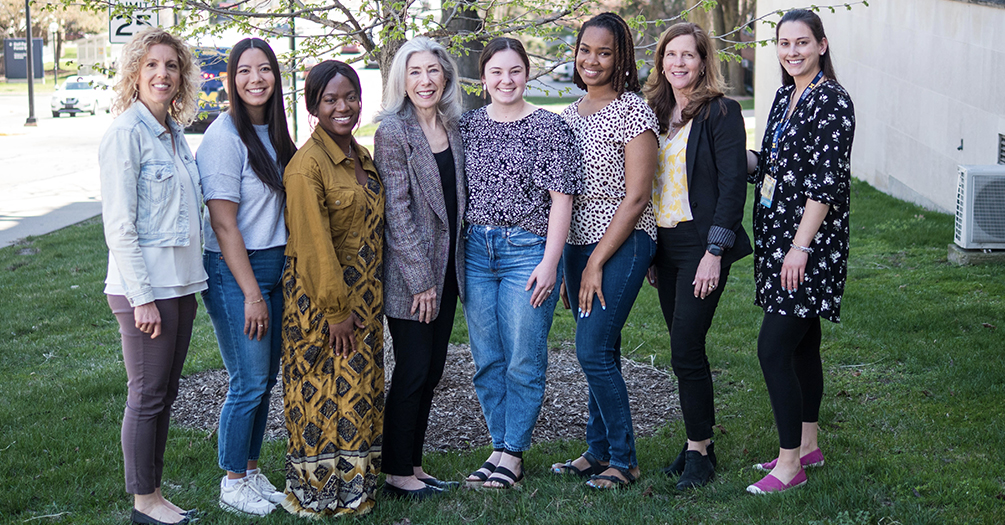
{"type": "Point", "coordinates": [626, 74]}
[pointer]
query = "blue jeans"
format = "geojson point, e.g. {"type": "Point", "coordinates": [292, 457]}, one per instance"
{"type": "Point", "coordinates": [252, 364]}
{"type": "Point", "coordinates": [509, 337]}
{"type": "Point", "coordinates": [609, 432]}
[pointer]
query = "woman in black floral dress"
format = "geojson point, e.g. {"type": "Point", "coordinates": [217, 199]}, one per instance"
{"type": "Point", "coordinates": [800, 238]}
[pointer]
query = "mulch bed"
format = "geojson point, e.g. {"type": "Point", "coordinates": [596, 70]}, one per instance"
{"type": "Point", "coordinates": [456, 422]}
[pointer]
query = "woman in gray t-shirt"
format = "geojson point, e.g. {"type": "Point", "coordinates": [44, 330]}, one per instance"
{"type": "Point", "coordinates": [241, 161]}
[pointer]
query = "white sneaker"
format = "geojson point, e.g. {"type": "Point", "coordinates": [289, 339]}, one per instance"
{"type": "Point", "coordinates": [265, 488]}
{"type": "Point", "coordinates": [242, 498]}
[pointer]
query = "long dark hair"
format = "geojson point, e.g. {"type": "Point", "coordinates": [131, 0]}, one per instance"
{"type": "Point", "coordinates": [812, 21]}
{"type": "Point", "coordinates": [626, 74]}
{"type": "Point", "coordinates": [320, 76]}
{"type": "Point", "coordinates": [275, 117]}
{"type": "Point", "coordinates": [659, 92]}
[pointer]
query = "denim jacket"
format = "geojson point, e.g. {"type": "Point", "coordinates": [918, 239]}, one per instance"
{"type": "Point", "coordinates": [142, 202]}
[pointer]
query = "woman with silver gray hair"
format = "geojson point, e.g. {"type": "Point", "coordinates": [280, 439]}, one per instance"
{"type": "Point", "coordinates": [151, 195]}
{"type": "Point", "coordinates": [420, 157]}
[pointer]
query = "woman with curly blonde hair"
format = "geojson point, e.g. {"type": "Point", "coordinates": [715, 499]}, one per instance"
{"type": "Point", "coordinates": [150, 195]}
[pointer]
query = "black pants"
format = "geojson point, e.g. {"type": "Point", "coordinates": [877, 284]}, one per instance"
{"type": "Point", "coordinates": [420, 351]}
{"type": "Point", "coordinates": [678, 252]}
{"type": "Point", "coordinates": [789, 350]}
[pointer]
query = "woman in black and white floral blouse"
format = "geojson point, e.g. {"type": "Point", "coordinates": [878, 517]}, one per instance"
{"type": "Point", "coordinates": [800, 238]}
{"type": "Point", "coordinates": [522, 167]}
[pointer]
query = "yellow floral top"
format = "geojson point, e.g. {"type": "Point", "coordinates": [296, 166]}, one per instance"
{"type": "Point", "coordinates": [670, 200]}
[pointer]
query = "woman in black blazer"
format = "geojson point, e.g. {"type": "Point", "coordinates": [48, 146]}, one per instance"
{"type": "Point", "coordinates": [420, 157]}
{"type": "Point", "coordinates": [698, 199]}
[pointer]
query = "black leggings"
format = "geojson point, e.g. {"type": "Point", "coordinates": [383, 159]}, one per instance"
{"type": "Point", "coordinates": [788, 348]}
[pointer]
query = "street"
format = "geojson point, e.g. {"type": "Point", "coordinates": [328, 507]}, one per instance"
{"type": "Point", "coordinates": [49, 173]}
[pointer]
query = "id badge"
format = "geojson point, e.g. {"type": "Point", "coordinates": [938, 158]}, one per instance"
{"type": "Point", "coordinates": [767, 191]}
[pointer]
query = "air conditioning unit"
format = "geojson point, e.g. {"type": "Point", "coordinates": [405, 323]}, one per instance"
{"type": "Point", "coordinates": [980, 208]}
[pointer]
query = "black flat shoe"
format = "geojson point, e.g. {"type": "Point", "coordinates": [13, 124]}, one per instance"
{"type": "Point", "coordinates": [142, 519]}
{"type": "Point", "coordinates": [440, 484]}
{"type": "Point", "coordinates": [698, 471]}
{"type": "Point", "coordinates": [677, 467]}
{"type": "Point", "coordinates": [429, 491]}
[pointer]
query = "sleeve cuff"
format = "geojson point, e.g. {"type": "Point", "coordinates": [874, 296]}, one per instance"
{"type": "Point", "coordinates": [721, 237]}
{"type": "Point", "coordinates": [144, 296]}
{"type": "Point", "coordinates": [333, 315]}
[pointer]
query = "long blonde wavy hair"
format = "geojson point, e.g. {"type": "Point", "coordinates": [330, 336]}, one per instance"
{"type": "Point", "coordinates": [185, 105]}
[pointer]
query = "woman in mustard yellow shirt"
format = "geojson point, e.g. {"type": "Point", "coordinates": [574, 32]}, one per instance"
{"type": "Point", "coordinates": [333, 348]}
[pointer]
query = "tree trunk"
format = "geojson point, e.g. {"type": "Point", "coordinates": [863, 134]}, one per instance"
{"type": "Point", "coordinates": [725, 17]}
{"type": "Point", "coordinates": [390, 44]}
{"type": "Point", "coordinates": [466, 20]}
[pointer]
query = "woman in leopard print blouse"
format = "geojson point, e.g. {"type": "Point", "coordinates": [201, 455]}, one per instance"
{"type": "Point", "coordinates": [612, 238]}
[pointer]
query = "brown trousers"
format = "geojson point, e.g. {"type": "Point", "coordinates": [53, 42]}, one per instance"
{"type": "Point", "coordinates": [153, 369]}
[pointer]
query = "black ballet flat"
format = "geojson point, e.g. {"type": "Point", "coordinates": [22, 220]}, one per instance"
{"type": "Point", "coordinates": [429, 491]}
{"type": "Point", "coordinates": [142, 519]}
{"type": "Point", "coordinates": [440, 484]}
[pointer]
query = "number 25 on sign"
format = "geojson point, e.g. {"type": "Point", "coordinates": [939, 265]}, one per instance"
{"type": "Point", "coordinates": [126, 18]}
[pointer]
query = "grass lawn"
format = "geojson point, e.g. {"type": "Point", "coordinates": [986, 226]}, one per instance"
{"type": "Point", "coordinates": [912, 423]}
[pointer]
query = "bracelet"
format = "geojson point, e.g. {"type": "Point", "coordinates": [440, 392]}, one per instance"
{"type": "Point", "coordinates": [804, 249]}
{"type": "Point", "coordinates": [260, 299]}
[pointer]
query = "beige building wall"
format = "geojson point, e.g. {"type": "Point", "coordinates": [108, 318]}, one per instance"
{"type": "Point", "coordinates": [925, 75]}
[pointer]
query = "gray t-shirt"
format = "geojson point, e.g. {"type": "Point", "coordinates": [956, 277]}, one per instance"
{"type": "Point", "coordinates": [227, 175]}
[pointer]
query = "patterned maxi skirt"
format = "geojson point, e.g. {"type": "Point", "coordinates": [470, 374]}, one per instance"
{"type": "Point", "coordinates": [334, 406]}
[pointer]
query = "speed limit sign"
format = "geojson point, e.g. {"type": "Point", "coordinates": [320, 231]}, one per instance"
{"type": "Point", "coordinates": [123, 25]}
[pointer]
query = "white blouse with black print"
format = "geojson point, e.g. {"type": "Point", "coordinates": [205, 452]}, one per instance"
{"type": "Point", "coordinates": [602, 138]}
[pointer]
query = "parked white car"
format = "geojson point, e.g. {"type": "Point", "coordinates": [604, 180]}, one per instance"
{"type": "Point", "coordinates": [80, 94]}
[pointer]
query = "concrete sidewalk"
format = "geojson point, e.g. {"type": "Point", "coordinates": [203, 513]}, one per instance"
{"type": "Point", "coordinates": [49, 173]}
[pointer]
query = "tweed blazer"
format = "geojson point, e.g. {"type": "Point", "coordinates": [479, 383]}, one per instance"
{"type": "Point", "coordinates": [416, 234]}
{"type": "Point", "coordinates": [716, 153]}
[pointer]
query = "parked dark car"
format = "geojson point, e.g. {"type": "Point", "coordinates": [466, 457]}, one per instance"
{"type": "Point", "coordinates": [213, 98]}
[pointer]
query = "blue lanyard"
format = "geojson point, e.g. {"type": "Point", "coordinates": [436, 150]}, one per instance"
{"type": "Point", "coordinates": [782, 125]}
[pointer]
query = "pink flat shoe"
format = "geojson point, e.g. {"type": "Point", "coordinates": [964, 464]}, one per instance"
{"type": "Point", "coordinates": [772, 484]}
{"type": "Point", "coordinates": [813, 459]}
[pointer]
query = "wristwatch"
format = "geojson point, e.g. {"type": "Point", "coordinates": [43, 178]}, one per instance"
{"type": "Point", "coordinates": [715, 250]}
